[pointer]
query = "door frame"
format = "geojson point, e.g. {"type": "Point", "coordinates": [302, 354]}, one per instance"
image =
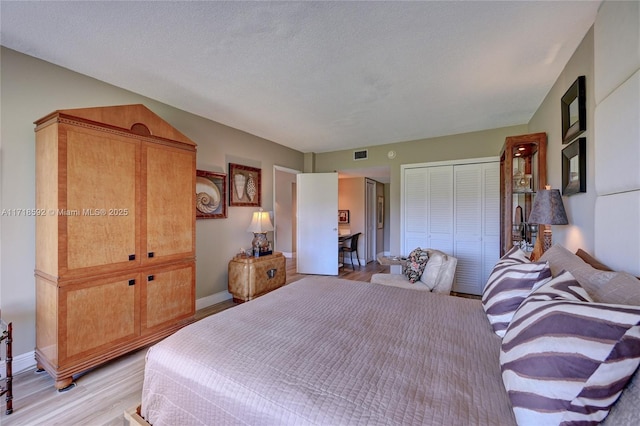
{"type": "Point", "coordinates": [275, 191]}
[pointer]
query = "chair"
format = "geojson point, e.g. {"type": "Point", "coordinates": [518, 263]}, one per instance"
{"type": "Point", "coordinates": [351, 248]}
{"type": "Point", "coordinates": [437, 277]}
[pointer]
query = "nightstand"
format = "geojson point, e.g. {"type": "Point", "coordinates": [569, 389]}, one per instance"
{"type": "Point", "coordinates": [250, 277]}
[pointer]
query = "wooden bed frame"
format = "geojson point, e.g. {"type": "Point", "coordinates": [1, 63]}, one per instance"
{"type": "Point", "coordinates": [132, 417]}
{"type": "Point", "coordinates": [8, 388]}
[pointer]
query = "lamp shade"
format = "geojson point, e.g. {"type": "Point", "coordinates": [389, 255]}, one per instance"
{"type": "Point", "coordinates": [548, 208]}
{"type": "Point", "coordinates": [260, 222]}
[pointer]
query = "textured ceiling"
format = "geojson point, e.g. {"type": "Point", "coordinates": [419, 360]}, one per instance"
{"type": "Point", "coordinates": [317, 76]}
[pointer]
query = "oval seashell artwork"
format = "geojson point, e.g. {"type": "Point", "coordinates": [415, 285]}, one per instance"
{"type": "Point", "coordinates": [238, 183]}
{"type": "Point", "coordinates": [251, 188]}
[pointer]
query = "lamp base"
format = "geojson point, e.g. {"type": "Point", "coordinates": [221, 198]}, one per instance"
{"type": "Point", "coordinates": [546, 239]}
{"type": "Point", "coordinates": [259, 243]}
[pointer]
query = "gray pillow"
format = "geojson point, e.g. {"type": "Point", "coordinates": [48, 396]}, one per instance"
{"type": "Point", "coordinates": [622, 289]}
{"type": "Point", "coordinates": [560, 259]}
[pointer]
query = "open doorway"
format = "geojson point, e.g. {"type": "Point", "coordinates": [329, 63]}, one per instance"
{"type": "Point", "coordinates": [284, 210]}
{"type": "Point", "coordinates": [360, 191]}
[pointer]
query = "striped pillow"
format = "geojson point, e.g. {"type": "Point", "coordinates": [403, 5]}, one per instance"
{"type": "Point", "coordinates": [565, 359]}
{"type": "Point", "coordinates": [514, 255]}
{"type": "Point", "coordinates": [510, 282]}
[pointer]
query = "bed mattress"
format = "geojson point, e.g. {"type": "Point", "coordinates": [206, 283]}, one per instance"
{"type": "Point", "coordinates": [327, 351]}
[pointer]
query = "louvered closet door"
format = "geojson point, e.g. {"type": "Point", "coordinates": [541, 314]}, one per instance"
{"type": "Point", "coordinates": [440, 205]}
{"type": "Point", "coordinates": [477, 224]}
{"type": "Point", "coordinates": [428, 208]}
{"type": "Point", "coordinates": [491, 220]}
{"type": "Point", "coordinates": [415, 209]}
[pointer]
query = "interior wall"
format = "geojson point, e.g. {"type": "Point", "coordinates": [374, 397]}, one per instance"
{"type": "Point", "coordinates": [31, 89]}
{"type": "Point", "coordinates": [579, 207]}
{"type": "Point", "coordinates": [486, 143]}
{"type": "Point", "coordinates": [617, 143]}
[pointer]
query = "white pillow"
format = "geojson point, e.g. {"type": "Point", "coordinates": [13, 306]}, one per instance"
{"type": "Point", "coordinates": [433, 269]}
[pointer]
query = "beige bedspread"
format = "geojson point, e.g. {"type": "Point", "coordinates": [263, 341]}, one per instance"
{"type": "Point", "coordinates": [327, 351]}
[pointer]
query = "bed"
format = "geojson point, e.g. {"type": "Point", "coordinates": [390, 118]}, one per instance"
{"type": "Point", "coordinates": [328, 351]}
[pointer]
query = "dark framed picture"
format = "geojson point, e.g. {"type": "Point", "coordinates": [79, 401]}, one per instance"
{"type": "Point", "coordinates": [244, 185]}
{"type": "Point", "coordinates": [343, 217]}
{"type": "Point", "coordinates": [574, 167]}
{"type": "Point", "coordinates": [574, 110]}
{"type": "Point", "coordinates": [380, 212]}
{"type": "Point", "coordinates": [211, 195]}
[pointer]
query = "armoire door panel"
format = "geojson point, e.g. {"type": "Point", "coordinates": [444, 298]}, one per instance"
{"type": "Point", "coordinates": [97, 315]}
{"type": "Point", "coordinates": [170, 202]}
{"type": "Point", "coordinates": [168, 295]}
{"type": "Point", "coordinates": [100, 211]}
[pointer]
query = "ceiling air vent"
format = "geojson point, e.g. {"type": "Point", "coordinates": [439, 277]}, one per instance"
{"type": "Point", "coordinates": [360, 155]}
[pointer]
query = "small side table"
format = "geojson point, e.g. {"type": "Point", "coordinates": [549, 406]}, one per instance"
{"type": "Point", "coordinates": [251, 277]}
{"type": "Point", "coordinates": [395, 263]}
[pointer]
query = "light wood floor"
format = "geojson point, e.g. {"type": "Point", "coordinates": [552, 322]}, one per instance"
{"type": "Point", "coordinates": [102, 394]}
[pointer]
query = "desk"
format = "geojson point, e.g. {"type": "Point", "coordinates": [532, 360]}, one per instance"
{"type": "Point", "coordinates": [344, 237]}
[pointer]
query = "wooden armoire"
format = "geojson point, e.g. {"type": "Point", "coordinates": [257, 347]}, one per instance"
{"type": "Point", "coordinates": [115, 235]}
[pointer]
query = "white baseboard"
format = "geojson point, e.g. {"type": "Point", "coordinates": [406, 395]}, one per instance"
{"type": "Point", "coordinates": [19, 363]}
{"type": "Point", "coordinates": [205, 302]}
{"type": "Point", "coordinates": [27, 360]}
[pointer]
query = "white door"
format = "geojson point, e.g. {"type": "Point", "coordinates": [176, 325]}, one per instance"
{"type": "Point", "coordinates": [371, 222]}
{"type": "Point", "coordinates": [428, 209]}
{"type": "Point", "coordinates": [317, 231]}
{"type": "Point", "coordinates": [468, 221]}
{"type": "Point", "coordinates": [477, 224]}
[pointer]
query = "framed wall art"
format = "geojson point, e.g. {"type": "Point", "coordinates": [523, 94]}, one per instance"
{"type": "Point", "coordinates": [574, 167]}
{"type": "Point", "coordinates": [343, 217]}
{"type": "Point", "coordinates": [380, 212]}
{"type": "Point", "coordinates": [211, 195]}
{"type": "Point", "coordinates": [574, 110]}
{"type": "Point", "coordinates": [244, 185]}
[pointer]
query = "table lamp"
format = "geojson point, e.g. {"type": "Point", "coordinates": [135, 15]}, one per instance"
{"type": "Point", "coordinates": [548, 209]}
{"type": "Point", "coordinates": [260, 225]}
